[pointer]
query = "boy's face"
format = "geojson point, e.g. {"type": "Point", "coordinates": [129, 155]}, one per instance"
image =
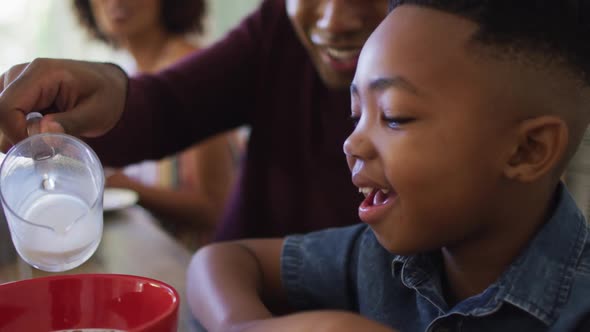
{"type": "Point", "coordinates": [333, 32]}
{"type": "Point", "coordinates": [428, 131]}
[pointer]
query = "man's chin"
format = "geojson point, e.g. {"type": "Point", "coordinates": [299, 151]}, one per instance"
{"type": "Point", "coordinates": [337, 82]}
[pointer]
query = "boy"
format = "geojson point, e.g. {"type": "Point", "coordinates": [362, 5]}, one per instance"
{"type": "Point", "coordinates": [466, 114]}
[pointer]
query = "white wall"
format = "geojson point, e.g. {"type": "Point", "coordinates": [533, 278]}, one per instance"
{"type": "Point", "coordinates": [227, 13]}
{"type": "Point", "coordinates": [48, 28]}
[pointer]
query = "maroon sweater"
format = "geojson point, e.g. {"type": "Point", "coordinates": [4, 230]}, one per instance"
{"type": "Point", "coordinates": [294, 178]}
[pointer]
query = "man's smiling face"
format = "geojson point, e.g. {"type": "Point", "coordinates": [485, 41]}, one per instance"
{"type": "Point", "coordinates": [333, 32]}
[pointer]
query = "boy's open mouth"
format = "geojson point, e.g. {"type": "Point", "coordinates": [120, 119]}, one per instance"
{"type": "Point", "coordinates": [376, 203]}
{"type": "Point", "coordinates": [375, 196]}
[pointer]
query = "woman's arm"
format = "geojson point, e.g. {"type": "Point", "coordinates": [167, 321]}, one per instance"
{"type": "Point", "coordinates": [202, 194]}
{"type": "Point", "coordinates": [183, 207]}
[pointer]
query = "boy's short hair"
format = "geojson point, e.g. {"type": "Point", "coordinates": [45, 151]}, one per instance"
{"type": "Point", "coordinates": [178, 17]}
{"type": "Point", "coordinates": [549, 33]}
{"type": "Point", "coordinates": [554, 28]}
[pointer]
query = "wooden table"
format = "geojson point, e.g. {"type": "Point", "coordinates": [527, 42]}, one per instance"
{"type": "Point", "coordinates": [132, 243]}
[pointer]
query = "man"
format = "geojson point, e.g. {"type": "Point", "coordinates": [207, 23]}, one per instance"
{"type": "Point", "coordinates": [285, 71]}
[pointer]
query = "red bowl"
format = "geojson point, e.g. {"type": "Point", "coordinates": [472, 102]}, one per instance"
{"type": "Point", "coordinates": [88, 301]}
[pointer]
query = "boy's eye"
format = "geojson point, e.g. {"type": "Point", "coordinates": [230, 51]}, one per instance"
{"type": "Point", "coordinates": [394, 122]}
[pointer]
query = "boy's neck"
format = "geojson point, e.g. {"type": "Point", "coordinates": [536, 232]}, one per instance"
{"type": "Point", "coordinates": [464, 275]}
{"type": "Point", "coordinates": [474, 265]}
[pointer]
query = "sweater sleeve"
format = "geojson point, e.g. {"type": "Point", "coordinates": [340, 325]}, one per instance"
{"type": "Point", "coordinates": [205, 93]}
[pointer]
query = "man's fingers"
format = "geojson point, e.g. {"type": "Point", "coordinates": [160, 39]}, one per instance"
{"type": "Point", "coordinates": [79, 121]}
{"type": "Point", "coordinates": [51, 126]}
{"type": "Point", "coordinates": [5, 144]}
{"type": "Point", "coordinates": [12, 74]}
{"type": "Point", "coordinates": [89, 97]}
{"type": "Point", "coordinates": [13, 125]}
{"type": "Point", "coordinates": [18, 97]}
{"type": "Point", "coordinates": [12, 121]}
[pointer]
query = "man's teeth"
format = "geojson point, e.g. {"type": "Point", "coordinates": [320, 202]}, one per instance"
{"type": "Point", "coordinates": [368, 190]}
{"type": "Point", "coordinates": [342, 54]}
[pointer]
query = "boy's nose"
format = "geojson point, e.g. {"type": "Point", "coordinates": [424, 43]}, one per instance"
{"type": "Point", "coordinates": [339, 16]}
{"type": "Point", "coordinates": [359, 146]}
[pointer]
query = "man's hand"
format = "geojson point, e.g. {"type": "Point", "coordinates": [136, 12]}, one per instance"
{"type": "Point", "coordinates": [82, 98]}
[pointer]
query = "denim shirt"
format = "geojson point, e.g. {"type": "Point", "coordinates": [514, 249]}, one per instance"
{"type": "Point", "coordinates": [546, 288]}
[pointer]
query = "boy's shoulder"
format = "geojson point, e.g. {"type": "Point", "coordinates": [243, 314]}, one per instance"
{"type": "Point", "coordinates": [551, 279]}
{"type": "Point", "coordinates": [574, 313]}
{"type": "Point", "coordinates": [583, 266]}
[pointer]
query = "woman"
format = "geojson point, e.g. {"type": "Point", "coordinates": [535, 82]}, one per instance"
{"type": "Point", "coordinates": [188, 190]}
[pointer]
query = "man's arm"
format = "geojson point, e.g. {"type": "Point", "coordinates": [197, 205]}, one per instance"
{"type": "Point", "coordinates": [147, 116]}
{"type": "Point", "coordinates": [206, 93]}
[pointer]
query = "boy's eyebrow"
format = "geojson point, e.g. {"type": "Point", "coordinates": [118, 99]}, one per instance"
{"type": "Point", "coordinates": [384, 83]}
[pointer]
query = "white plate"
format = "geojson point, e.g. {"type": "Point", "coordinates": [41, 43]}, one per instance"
{"type": "Point", "coordinates": [116, 199]}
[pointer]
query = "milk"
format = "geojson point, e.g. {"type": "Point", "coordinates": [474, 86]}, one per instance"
{"type": "Point", "coordinates": [74, 235]}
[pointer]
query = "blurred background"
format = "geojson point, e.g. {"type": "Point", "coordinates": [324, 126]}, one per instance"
{"type": "Point", "coordinates": [48, 28]}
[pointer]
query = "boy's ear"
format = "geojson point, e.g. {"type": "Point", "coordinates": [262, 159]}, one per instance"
{"type": "Point", "coordinates": [541, 146]}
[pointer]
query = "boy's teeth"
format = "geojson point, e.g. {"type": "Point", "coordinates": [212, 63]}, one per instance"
{"type": "Point", "coordinates": [365, 190]}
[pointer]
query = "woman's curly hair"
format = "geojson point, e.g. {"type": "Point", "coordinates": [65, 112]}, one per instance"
{"type": "Point", "coordinates": [178, 17]}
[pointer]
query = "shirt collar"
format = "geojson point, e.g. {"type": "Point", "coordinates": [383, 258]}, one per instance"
{"type": "Point", "coordinates": [540, 279]}
{"type": "Point", "coordinates": [397, 265]}
{"type": "Point", "coordinates": [415, 269]}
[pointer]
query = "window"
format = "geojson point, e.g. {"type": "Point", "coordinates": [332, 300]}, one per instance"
{"type": "Point", "coordinates": [48, 28]}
